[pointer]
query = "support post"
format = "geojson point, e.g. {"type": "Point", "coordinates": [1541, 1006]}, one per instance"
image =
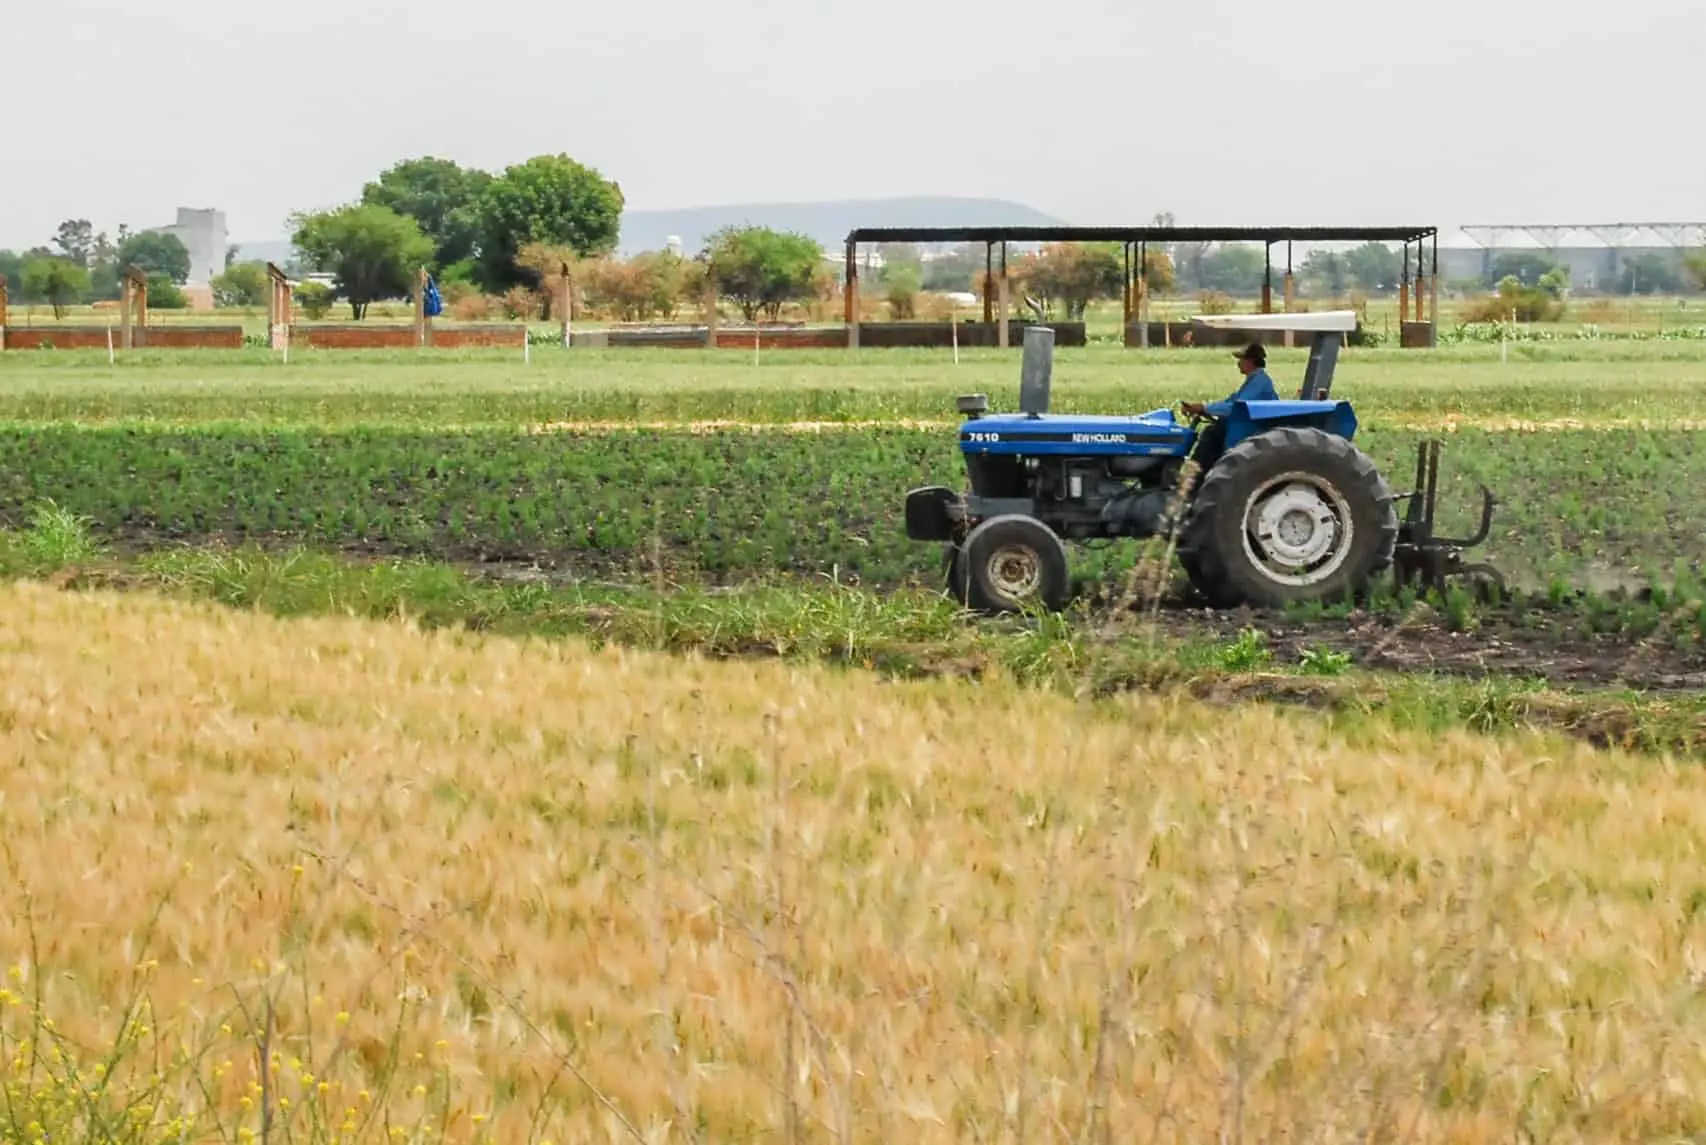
{"type": "Point", "coordinates": [3, 304]}
{"type": "Point", "coordinates": [1290, 335]}
{"type": "Point", "coordinates": [420, 309]}
{"type": "Point", "coordinates": [988, 282]}
{"type": "Point", "coordinates": [567, 306]}
{"type": "Point", "coordinates": [1267, 277]}
{"type": "Point", "coordinates": [712, 314]}
{"type": "Point", "coordinates": [278, 308]}
{"type": "Point", "coordinates": [1433, 293]}
{"type": "Point", "coordinates": [1404, 289]}
{"type": "Point", "coordinates": [1004, 300]}
{"type": "Point", "coordinates": [850, 294]}
{"type": "Point", "coordinates": [125, 306]}
{"type": "Point", "coordinates": [133, 307]}
{"type": "Point", "coordinates": [1125, 296]}
{"type": "Point", "coordinates": [1143, 294]}
{"type": "Point", "coordinates": [1421, 283]}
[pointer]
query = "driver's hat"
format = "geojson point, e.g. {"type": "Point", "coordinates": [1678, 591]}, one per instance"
{"type": "Point", "coordinates": [1255, 353]}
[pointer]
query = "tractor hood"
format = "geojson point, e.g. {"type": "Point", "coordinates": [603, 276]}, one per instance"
{"type": "Point", "coordinates": [1156, 431]}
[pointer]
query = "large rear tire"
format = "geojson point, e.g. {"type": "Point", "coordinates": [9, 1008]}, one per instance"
{"type": "Point", "coordinates": [1290, 516]}
{"type": "Point", "coordinates": [1214, 594]}
{"type": "Point", "coordinates": [1010, 563]}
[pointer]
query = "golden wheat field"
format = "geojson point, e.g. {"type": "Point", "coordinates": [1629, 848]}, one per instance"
{"type": "Point", "coordinates": [326, 880]}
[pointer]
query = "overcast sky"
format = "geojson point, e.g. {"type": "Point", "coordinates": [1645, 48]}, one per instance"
{"type": "Point", "coordinates": [1099, 111]}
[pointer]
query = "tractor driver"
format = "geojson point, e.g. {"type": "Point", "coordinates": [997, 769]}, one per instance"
{"type": "Point", "coordinates": [1257, 387]}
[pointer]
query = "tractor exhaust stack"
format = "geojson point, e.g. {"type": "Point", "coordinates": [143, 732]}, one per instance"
{"type": "Point", "coordinates": [1036, 370]}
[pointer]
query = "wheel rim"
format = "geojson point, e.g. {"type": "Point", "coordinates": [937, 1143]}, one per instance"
{"type": "Point", "coordinates": [1014, 571]}
{"type": "Point", "coordinates": [1297, 529]}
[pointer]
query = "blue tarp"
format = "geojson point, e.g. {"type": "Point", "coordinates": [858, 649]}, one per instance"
{"type": "Point", "coordinates": [431, 302]}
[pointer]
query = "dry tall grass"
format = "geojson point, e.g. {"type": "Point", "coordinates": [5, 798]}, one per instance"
{"type": "Point", "coordinates": [582, 896]}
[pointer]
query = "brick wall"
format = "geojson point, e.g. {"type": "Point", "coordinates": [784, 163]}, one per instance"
{"type": "Point", "coordinates": [60, 337]}
{"type": "Point", "coordinates": [794, 338]}
{"type": "Point", "coordinates": [190, 337]}
{"type": "Point", "coordinates": [882, 335]}
{"type": "Point", "coordinates": [1417, 336]}
{"type": "Point", "coordinates": [353, 336]}
{"type": "Point", "coordinates": [379, 336]}
{"type": "Point", "coordinates": [172, 337]}
{"type": "Point", "coordinates": [458, 337]}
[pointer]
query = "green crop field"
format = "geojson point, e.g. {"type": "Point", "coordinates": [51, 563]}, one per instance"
{"type": "Point", "coordinates": [710, 471]}
{"type": "Point", "coordinates": [595, 459]}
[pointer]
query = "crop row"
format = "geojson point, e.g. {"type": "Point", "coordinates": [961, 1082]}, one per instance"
{"type": "Point", "coordinates": [1588, 506]}
{"type": "Point", "coordinates": [1389, 388]}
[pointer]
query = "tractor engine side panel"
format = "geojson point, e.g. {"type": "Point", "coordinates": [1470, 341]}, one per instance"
{"type": "Point", "coordinates": [997, 475]}
{"type": "Point", "coordinates": [1098, 497]}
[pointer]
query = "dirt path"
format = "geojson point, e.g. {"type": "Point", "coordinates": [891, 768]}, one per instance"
{"type": "Point", "coordinates": [1551, 646]}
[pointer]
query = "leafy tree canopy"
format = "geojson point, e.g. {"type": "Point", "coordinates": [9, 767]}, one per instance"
{"type": "Point", "coordinates": [440, 195]}
{"type": "Point", "coordinates": [549, 199]}
{"type": "Point", "coordinates": [760, 269]}
{"type": "Point", "coordinates": [242, 284]}
{"type": "Point", "coordinates": [372, 251]}
{"type": "Point", "coordinates": [58, 281]}
{"type": "Point", "coordinates": [156, 252]}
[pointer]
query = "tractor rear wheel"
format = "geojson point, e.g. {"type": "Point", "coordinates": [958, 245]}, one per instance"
{"type": "Point", "coordinates": [1213, 592]}
{"type": "Point", "coordinates": [1010, 563]}
{"type": "Point", "coordinates": [1290, 516]}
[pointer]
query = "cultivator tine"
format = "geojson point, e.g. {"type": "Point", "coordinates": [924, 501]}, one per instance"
{"type": "Point", "coordinates": [1427, 560]}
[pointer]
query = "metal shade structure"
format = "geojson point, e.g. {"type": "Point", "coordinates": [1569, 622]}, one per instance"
{"type": "Point", "coordinates": [1136, 292]}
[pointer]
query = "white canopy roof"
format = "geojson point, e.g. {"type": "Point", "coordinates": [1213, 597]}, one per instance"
{"type": "Point", "coordinates": [1344, 321]}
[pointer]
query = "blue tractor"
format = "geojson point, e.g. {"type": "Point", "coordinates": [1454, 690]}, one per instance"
{"type": "Point", "coordinates": [1283, 508]}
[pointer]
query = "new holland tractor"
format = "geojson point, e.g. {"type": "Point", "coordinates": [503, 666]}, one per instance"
{"type": "Point", "coordinates": [1285, 508]}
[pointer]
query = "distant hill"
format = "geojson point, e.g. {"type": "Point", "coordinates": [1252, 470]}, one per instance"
{"type": "Point", "coordinates": [826, 222]}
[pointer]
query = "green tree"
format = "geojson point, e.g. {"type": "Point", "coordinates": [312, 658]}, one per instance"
{"type": "Point", "coordinates": [760, 269]}
{"type": "Point", "coordinates": [549, 199]}
{"type": "Point", "coordinates": [164, 294]}
{"type": "Point", "coordinates": [315, 298]}
{"type": "Point", "coordinates": [372, 251]}
{"type": "Point", "coordinates": [901, 282]}
{"type": "Point", "coordinates": [964, 264]}
{"type": "Point", "coordinates": [1527, 267]}
{"type": "Point", "coordinates": [242, 284]}
{"type": "Point", "coordinates": [1326, 271]}
{"type": "Point", "coordinates": [440, 195]}
{"type": "Point", "coordinates": [1074, 275]}
{"type": "Point", "coordinates": [12, 272]}
{"type": "Point", "coordinates": [57, 281]}
{"type": "Point", "coordinates": [1695, 263]}
{"type": "Point", "coordinates": [75, 239]}
{"type": "Point", "coordinates": [1648, 274]}
{"type": "Point", "coordinates": [1234, 268]}
{"type": "Point", "coordinates": [156, 252]}
{"type": "Point", "coordinates": [1375, 266]}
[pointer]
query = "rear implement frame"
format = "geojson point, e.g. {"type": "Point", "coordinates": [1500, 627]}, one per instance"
{"type": "Point", "coordinates": [1421, 557]}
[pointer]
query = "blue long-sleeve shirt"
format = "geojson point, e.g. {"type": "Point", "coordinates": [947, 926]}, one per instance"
{"type": "Point", "coordinates": [1257, 387]}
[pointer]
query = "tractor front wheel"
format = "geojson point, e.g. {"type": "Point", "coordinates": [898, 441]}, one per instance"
{"type": "Point", "coordinates": [1010, 563]}
{"type": "Point", "coordinates": [1290, 516]}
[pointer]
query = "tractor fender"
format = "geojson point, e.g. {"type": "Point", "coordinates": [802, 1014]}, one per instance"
{"type": "Point", "coordinates": [1250, 418]}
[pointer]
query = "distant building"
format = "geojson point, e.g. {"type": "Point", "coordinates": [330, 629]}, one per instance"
{"type": "Point", "coordinates": [1600, 260]}
{"type": "Point", "coordinates": [202, 231]}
